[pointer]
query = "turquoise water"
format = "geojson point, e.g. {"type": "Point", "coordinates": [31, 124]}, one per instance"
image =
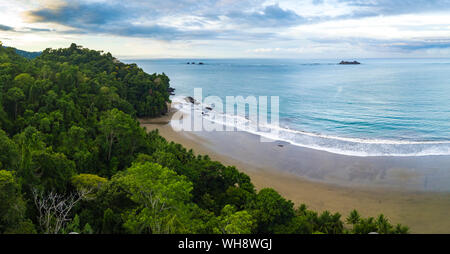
{"type": "Point", "coordinates": [383, 107]}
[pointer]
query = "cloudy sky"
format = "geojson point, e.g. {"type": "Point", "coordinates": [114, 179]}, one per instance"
{"type": "Point", "coordinates": [232, 28]}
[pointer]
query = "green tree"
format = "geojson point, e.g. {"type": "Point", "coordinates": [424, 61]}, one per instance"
{"type": "Point", "coordinates": [400, 229]}
{"type": "Point", "coordinates": [235, 222]}
{"type": "Point", "coordinates": [353, 218]}
{"type": "Point", "coordinates": [365, 226]}
{"type": "Point", "coordinates": [8, 152]}
{"type": "Point", "coordinates": [120, 136]}
{"type": "Point", "coordinates": [161, 195]}
{"type": "Point", "coordinates": [25, 82]}
{"type": "Point", "coordinates": [78, 147]}
{"type": "Point", "coordinates": [15, 95]}
{"type": "Point", "coordinates": [111, 222]}
{"type": "Point", "coordinates": [12, 206]}
{"type": "Point", "coordinates": [330, 223]}
{"type": "Point", "coordinates": [383, 225]}
{"type": "Point", "coordinates": [271, 210]}
{"type": "Point", "coordinates": [28, 141]}
{"type": "Point", "coordinates": [88, 182]}
{"type": "Point", "coordinates": [53, 170]}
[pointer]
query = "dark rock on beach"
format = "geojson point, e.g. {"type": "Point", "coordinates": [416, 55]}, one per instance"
{"type": "Point", "coordinates": [190, 99]}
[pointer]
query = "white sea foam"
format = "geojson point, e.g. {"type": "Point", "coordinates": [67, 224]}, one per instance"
{"type": "Point", "coordinates": [332, 144]}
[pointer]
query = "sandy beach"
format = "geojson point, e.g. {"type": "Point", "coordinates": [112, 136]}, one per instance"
{"type": "Point", "coordinates": [399, 188]}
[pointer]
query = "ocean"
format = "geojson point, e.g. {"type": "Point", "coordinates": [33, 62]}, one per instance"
{"type": "Point", "coordinates": [383, 107]}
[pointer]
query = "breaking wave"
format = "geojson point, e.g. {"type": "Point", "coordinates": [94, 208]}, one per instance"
{"type": "Point", "coordinates": [332, 144]}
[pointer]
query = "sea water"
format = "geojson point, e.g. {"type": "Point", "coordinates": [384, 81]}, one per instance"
{"type": "Point", "coordinates": [383, 107]}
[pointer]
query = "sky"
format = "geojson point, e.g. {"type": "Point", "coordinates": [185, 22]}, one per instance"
{"type": "Point", "coordinates": [350, 29]}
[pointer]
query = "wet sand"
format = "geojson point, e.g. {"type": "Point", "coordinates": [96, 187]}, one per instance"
{"type": "Point", "coordinates": [399, 188]}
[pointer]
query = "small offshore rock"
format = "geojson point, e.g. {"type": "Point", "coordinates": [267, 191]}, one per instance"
{"type": "Point", "coordinates": [347, 62]}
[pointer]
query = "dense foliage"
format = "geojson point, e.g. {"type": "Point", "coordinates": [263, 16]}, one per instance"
{"type": "Point", "coordinates": [70, 136]}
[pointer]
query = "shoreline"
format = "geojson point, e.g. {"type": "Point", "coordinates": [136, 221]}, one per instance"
{"type": "Point", "coordinates": [422, 211]}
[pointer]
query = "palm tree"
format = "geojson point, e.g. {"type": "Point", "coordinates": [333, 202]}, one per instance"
{"type": "Point", "coordinates": [301, 210]}
{"type": "Point", "coordinates": [399, 229]}
{"type": "Point", "coordinates": [384, 227]}
{"type": "Point", "coordinates": [338, 225]}
{"type": "Point", "coordinates": [353, 218]}
{"type": "Point", "coordinates": [330, 223]}
{"type": "Point", "coordinates": [365, 226]}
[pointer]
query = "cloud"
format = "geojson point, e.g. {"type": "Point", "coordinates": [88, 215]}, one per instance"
{"type": "Point", "coordinates": [109, 18]}
{"type": "Point", "coordinates": [33, 29]}
{"type": "Point", "coordinates": [276, 26]}
{"type": "Point", "coordinates": [6, 28]}
{"type": "Point", "coordinates": [23, 29]}
{"type": "Point", "coordinates": [81, 15]}
{"type": "Point", "coordinates": [422, 45]}
{"type": "Point", "coordinates": [139, 19]}
{"type": "Point", "coordinates": [394, 7]}
{"type": "Point", "coordinates": [388, 45]}
{"type": "Point", "coordinates": [271, 15]}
